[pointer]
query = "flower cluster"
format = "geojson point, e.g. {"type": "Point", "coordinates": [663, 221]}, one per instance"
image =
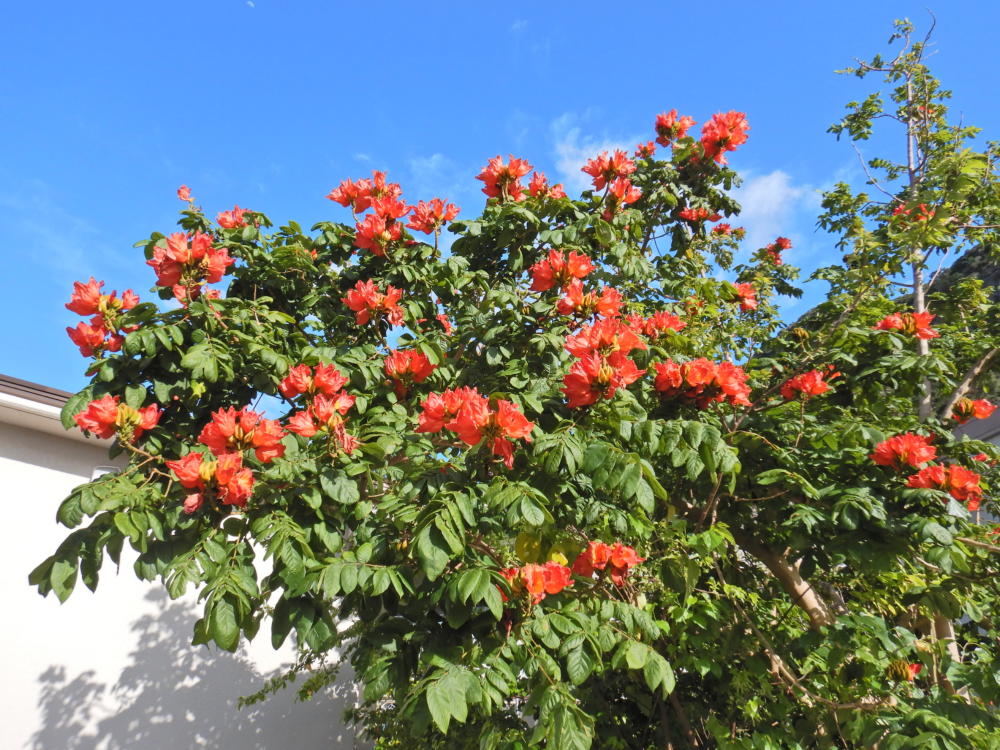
{"type": "Point", "coordinates": [185, 263]}
{"type": "Point", "coordinates": [475, 418]}
{"type": "Point", "coordinates": [621, 193]}
{"type": "Point", "coordinates": [574, 301]}
{"type": "Point", "coordinates": [537, 580]}
{"type": "Point", "coordinates": [326, 403]}
{"type": "Point", "coordinates": [907, 449]}
{"type": "Point", "coordinates": [724, 132]}
{"type": "Point", "coordinates": [367, 302]}
{"type": "Point", "coordinates": [232, 219]}
{"type": "Point", "coordinates": [959, 482]}
{"type": "Point", "coordinates": [807, 384]}
{"type": "Point", "coordinates": [405, 368]}
{"type": "Point", "coordinates": [773, 251]}
{"type": "Point", "coordinates": [232, 431]}
{"type": "Point", "coordinates": [184, 194]}
{"type": "Point", "coordinates": [725, 230]}
{"type": "Point", "coordinates": [655, 325]}
{"type": "Point", "coordinates": [912, 324]}
{"type": "Point", "coordinates": [102, 333]}
{"type": "Point", "coordinates": [429, 216]}
{"type": "Point", "coordinates": [967, 408]}
{"type": "Point", "coordinates": [224, 478]}
{"type": "Point", "coordinates": [703, 382]}
{"type": "Point", "coordinates": [669, 127]}
{"type": "Point", "coordinates": [616, 558]}
{"type": "Point", "coordinates": [324, 378]}
{"type": "Point", "coordinates": [921, 212]}
{"type": "Point", "coordinates": [602, 365]}
{"type": "Point", "coordinates": [539, 187]}
{"type": "Point", "coordinates": [701, 213]}
{"type": "Point", "coordinates": [559, 270]}
{"type": "Point", "coordinates": [503, 181]}
{"type": "Point", "coordinates": [746, 295]}
{"type": "Point", "coordinates": [105, 416]}
{"type": "Point", "coordinates": [605, 169]}
{"type": "Point", "coordinates": [645, 150]}
{"type": "Point", "coordinates": [360, 195]}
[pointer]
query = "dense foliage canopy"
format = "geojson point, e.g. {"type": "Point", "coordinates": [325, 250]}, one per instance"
{"type": "Point", "coordinates": [571, 482]}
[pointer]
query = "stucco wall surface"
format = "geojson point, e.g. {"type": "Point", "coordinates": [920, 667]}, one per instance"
{"type": "Point", "coordinates": [114, 669]}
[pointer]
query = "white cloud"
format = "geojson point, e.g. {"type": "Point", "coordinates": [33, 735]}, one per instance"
{"type": "Point", "coordinates": [771, 204]}
{"type": "Point", "coordinates": [573, 150]}
{"type": "Point", "coordinates": [518, 26]}
{"type": "Point", "coordinates": [436, 176]}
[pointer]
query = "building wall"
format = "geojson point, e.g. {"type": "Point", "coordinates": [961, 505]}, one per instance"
{"type": "Point", "coordinates": [114, 669]}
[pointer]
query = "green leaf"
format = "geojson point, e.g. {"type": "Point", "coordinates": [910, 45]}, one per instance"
{"type": "Point", "coordinates": [339, 488]}
{"type": "Point", "coordinates": [222, 625]}
{"type": "Point", "coordinates": [432, 551]}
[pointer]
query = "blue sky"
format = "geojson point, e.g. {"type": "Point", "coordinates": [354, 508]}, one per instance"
{"type": "Point", "coordinates": [105, 108]}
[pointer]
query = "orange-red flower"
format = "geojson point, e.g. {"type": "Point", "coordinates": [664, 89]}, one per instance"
{"type": "Point", "coordinates": [539, 187]}
{"type": "Point", "coordinates": [232, 219]}
{"type": "Point", "coordinates": [184, 193]}
{"type": "Point", "coordinates": [669, 127]}
{"type": "Point", "coordinates": [595, 376]}
{"type": "Point", "coordinates": [913, 324]}
{"type": "Point", "coordinates": [574, 301]}
{"type": "Point", "coordinates": [959, 482]}
{"type": "Point", "coordinates": [907, 449]}
{"type": "Point", "coordinates": [697, 214]}
{"type": "Point", "coordinates": [325, 414]}
{"type": "Point", "coordinates": [604, 169]}
{"type": "Point", "coordinates": [94, 339]}
{"type": "Point", "coordinates": [617, 558]}
{"type": "Point", "coordinates": [376, 233]}
{"type": "Point", "coordinates": [808, 384]}
{"type": "Point", "coordinates": [605, 337]}
{"type": "Point", "coordinates": [724, 132]}
{"type": "Point", "coordinates": [503, 181]}
{"type": "Point", "coordinates": [429, 217]}
{"type": "Point", "coordinates": [188, 261]}
{"type": "Point", "coordinates": [367, 302]}
{"type": "Point", "coordinates": [106, 416]}
{"type": "Point", "coordinates": [301, 379]}
{"type": "Point", "coordinates": [645, 150]}
{"type": "Point", "coordinates": [540, 580]}
{"type": "Point", "coordinates": [558, 269]}
{"type": "Point", "coordinates": [231, 482]}
{"type": "Point", "coordinates": [232, 431]}
{"type": "Point", "coordinates": [621, 192]}
{"type": "Point", "coordinates": [702, 381]}
{"type": "Point", "coordinates": [407, 367]}
{"type": "Point", "coordinates": [967, 408]}
{"type": "Point", "coordinates": [746, 295]}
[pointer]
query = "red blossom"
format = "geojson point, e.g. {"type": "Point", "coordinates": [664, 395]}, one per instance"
{"type": "Point", "coordinates": [503, 181]}
{"type": "Point", "coordinates": [645, 150]}
{"type": "Point", "coordinates": [702, 381]}
{"type": "Point", "coordinates": [773, 251]}
{"type": "Point", "coordinates": [300, 379]}
{"type": "Point", "coordinates": [429, 217]}
{"type": "Point", "coordinates": [808, 384]}
{"type": "Point", "coordinates": [367, 302]}
{"type": "Point", "coordinates": [621, 192]}
{"type": "Point", "coordinates": [184, 193]}
{"type": "Point", "coordinates": [575, 301]}
{"type": "Point", "coordinates": [106, 416]}
{"type": "Point", "coordinates": [232, 431]}
{"type": "Point", "coordinates": [348, 192]}
{"type": "Point", "coordinates": [604, 337]}
{"type": "Point", "coordinates": [376, 233]}
{"type": "Point", "coordinates": [230, 480]}
{"type": "Point", "coordinates": [959, 482]}
{"type": "Point", "coordinates": [406, 367]}
{"type": "Point", "coordinates": [539, 187]}
{"type": "Point", "coordinates": [912, 324]}
{"type": "Point", "coordinates": [232, 219]}
{"type": "Point", "coordinates": [539, 580]}
{"type": "Point", "coordinates": [617, 558]}
{"type": "Point", "coordinates": [724, 132]}
{"type": "Point", "coordinates": [559, 270]}
{"type": "Point", "coordinates": [967, 408]}
{"type": "Point", "coordinates": [594, 376]}
{"type": "Point", "coordinates": [94, 339]}
{"type": "Point", "coordinates": [907, 449]}
{"type": "Point", "coordinates": [697, 214]}
{"type": "Point", "coordinates": [669, 127]}
{"type": "Point", "coordinates": [746, 295]}
{"type": "Point", "coordinates": [604, 169]}
{"type": "Point", "coordinates": [187, 261]}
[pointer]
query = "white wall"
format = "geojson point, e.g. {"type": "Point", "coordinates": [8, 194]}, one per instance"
{"type": "Point", "coordinates": [114, 670]}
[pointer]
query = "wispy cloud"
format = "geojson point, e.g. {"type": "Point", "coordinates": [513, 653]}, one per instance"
{"type": "Point", "coordinates": [518, 26]}
{"type": "Point", "coordinates": [438, 176]}
{"type": "Point", "coordinates": [773, 205]}
{"type": "Point", "coordinates": [572, 148]}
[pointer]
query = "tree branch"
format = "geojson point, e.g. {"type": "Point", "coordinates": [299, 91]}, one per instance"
{"type": "Point", "coordinates": [967, 381]}
{"type": "Point", "coordinates": [798, 588]}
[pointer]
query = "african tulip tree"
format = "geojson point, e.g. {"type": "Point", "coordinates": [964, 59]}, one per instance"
{"type": "Point", "coordinates": [568, 487]}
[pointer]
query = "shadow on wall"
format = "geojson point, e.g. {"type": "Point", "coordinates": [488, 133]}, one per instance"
{"type": "Point", "coordinates": [172, 695]}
